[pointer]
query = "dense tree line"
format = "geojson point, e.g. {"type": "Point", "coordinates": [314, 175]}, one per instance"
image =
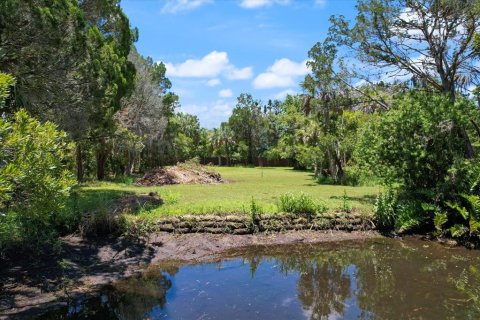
{"type": "Point", "coordinates": [407, 116]}
{"type": "Point", "coordinates": [75, 92]}
{"type": "Point", "coordinates": [76, 96]}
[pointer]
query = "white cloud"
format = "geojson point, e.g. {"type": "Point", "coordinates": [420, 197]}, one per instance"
{"type": "Point", "coordinates": [321, 3]}
{"type": "Point", "coordinates": [272, 80]}
{"type": "Point", "coordinates": [283, 94]}
{"type": "Point", "coordinates": [211, 65]}
{"type": "Point", "coordinates": [213, 82]}
{"type": "Point", "coordinates": [174, 6]}
{"type": "Point", "coordinates": [212, 114]}
{"type": "Point", "coordinates": [225, 93]}
{"type": "Point", "coordinates": [252, 4]}
{"type": "Point", "coordinates": [281, 74]}
{"type": "Point", "coordinates": [239, 74]}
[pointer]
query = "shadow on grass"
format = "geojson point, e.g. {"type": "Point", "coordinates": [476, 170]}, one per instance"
{"type": "Point", "coordinates": [83, 201]}
{"type": "Point", "coordinates": [366, 199]}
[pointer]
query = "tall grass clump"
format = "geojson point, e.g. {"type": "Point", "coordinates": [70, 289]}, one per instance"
{"type": "Point", "coordinates": [300, 204]}
{"type": "Point", "coordinates": [255, 211]}
{"type": "Point", "coordinates": [385, 209]}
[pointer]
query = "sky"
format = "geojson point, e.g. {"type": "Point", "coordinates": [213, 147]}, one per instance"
{"type": "Point", "coordinates": [214, 50]}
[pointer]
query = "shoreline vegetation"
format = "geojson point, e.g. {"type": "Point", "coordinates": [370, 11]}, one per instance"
{"type": "Point", "coordinates": [382, 137]}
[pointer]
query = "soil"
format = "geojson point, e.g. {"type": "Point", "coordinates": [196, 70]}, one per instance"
{"type": "Point", "coordinates": [180, 174]}
{"type": "Point", "coordinates": [29, 287]}
{"type": "Point", "coordinates": [134, 202]}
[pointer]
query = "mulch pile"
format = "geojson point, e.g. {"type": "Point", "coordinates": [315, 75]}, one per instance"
{"type": "Point", "coordinates": [179, 174]}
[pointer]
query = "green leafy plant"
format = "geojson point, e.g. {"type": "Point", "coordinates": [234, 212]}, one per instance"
{"type": "Point", "coordinates": [467, 215]}
{"type": "Point", "coordinates": [410, 215]}
{"type": "Point", "coordinates": [345, 202]}
{"type": "Point", "coordinates": [35, 181]}
{"type": "Point", "coordinates": [301, 204]}
{"type": "Point", "coordinates": [255, 211]}
{"type": "Point", "coordinates": [385, 209]}
{"type": "Point", "coordinates": [439, 220]}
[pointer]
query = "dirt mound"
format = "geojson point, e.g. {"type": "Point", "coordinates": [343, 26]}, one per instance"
{"type": "Point", "coordinates": [179, 175]}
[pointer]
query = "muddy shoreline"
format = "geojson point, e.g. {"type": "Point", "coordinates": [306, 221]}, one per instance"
{"type": "Point", "coordinates": [29, 288]}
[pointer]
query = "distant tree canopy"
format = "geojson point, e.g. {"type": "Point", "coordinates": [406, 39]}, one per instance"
{"type": "Point", "coordinates": [404, 116]}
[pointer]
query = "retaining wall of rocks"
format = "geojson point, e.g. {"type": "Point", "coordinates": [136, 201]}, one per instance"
{"type": "Point", "coordinates": [244, 224]}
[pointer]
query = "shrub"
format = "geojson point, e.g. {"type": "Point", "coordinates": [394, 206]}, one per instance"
{"type": "Point", "coordinates": [34, 181]}
{"type": "Point", "coordinates": [255, 211]}
{"type": "Point", "coordinates": [416, 142]}
{"type": "Point", "coordinates": [301, 204]}
{"type": "Point", "coordinates": [385, 209]}
{"type": "Point", "coordinates": [345, 202]}
{"type": "Point", "coordinates": [410, 216]}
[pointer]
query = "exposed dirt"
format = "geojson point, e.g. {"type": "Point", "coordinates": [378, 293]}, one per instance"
{"type": "Point", "coordinates": [28, 288]}
{"type": "Point", "coordinates": [180, 174]}
{"type": "Point", "coordinates": [133, 202]}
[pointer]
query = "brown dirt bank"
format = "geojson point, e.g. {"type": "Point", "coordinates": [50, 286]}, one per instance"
{"type": "Point", "coordinates": [29, 288]}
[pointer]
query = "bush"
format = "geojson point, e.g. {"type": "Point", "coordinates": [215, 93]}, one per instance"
{"type": "Point", "coordinates": [255, 211]}
{"type": "Point", "coordinates": [402, 214]}
{"type": "Point", "coordinates": [410, 215]}
{"type": "Point", "coordinates": [301, 204]}
{"type": "Point", "coordinates": [34, 181]}
{"type": "Point", "coordinates": [385, 209]}
{"type": "Point", "coordinates": [417, 141]}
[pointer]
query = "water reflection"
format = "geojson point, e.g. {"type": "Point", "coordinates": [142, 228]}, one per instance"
{"type": "Point", "coordinates": [374, 279]}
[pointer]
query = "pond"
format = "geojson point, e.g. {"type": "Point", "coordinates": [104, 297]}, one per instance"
{"type": "Point", "coordinates": [371, 279]}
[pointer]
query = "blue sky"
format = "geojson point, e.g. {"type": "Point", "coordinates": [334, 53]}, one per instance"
{"type": "Point", "coordinates": [216, 49]}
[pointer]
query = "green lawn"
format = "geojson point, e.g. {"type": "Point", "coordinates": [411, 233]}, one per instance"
{"type": "Point", "coordinates": [264, 185]}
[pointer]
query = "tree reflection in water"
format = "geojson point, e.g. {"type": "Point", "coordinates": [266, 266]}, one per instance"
{"type": "Point", "coordinates": [383, 279]}
{"type": "Point", "coordinates": [373, 279]}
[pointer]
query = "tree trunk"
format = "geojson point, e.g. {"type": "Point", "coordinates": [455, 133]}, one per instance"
{"type": "Point", "coordinates": [315, 170]}
{"type": "Point", "coordinates": [469, 153]}
{"type": "Point", "coordinates": [102, 155]}
{"type": "Point", "coordinates": [79, 162]}
{"type": "Point", "coordinates": [130, 164]}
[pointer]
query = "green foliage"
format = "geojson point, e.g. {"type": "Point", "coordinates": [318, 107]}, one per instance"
{"type": "Point", "coordinates": [34, 180]}
{"type": "Point", "coordinates": [345, 202]}
{"type": "Point", "coordinates": [6, 81]}
{"type": "Point", "coordinates": [255, 211]}
{"type": "Point", "coordinates": [416, 141]}
{"type": "Point", "coordinates": [301, 204]}
{"type": "Point", "coordinates": [385, 209]}
{"type": "Point", "coordinates": [409, 216]}
{"type": "Point", "coordinates": [465, 216]}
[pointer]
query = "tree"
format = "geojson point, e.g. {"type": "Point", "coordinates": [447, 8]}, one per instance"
{"type": "Point", "coordinates": [415, 143]}
{"type": "Point", "coordinates": [330, 98]}
{"type": "Point", "coordinates": [143, 112]}
{"type": "Point", "coordinates": [70, 62]}
{"type": "Point", "coordinates": [246, 124]}
{"type": "Point", "coordinates": [430, 40]}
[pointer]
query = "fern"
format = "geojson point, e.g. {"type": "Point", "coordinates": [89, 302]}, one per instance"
{"type": "Point", "coordinates": [439, 220]}
{"type": "Point", "coordinates": [458, 230]}
{"type": "Point", "coordinates": [461, 210]}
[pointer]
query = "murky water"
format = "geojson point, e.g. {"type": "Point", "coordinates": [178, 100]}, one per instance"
{"type": "Point", "coordinates": [373, 279]}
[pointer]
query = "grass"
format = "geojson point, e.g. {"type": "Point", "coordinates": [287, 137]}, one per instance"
{"type": "Point", "coordinates": [264, 185]}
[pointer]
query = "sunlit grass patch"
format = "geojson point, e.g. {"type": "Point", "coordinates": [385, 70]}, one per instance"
{"type": "Point", "coordinates": [264, 185]}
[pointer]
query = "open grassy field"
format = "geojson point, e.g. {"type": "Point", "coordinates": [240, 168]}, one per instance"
{"type": "Point", "coordinates": [264, 185]}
